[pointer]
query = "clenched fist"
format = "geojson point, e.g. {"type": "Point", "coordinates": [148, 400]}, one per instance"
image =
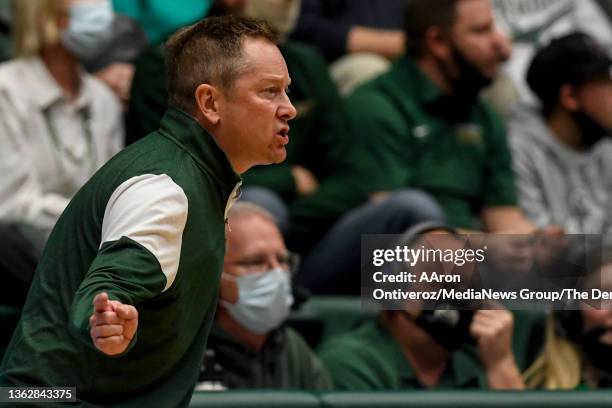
{"type": "Point", "coordinates": [112, 325]}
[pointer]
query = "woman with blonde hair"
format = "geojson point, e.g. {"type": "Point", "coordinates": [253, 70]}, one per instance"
{"type": "Point", "coordinates": [578, 347]}
{"type": "Point", "coordinates": [58, 124]}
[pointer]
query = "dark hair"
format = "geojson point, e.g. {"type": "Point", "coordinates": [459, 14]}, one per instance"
{"type": "Point", "coordinates": [421, 15]}
{"type": "Point", "coordinates": [209, 52]}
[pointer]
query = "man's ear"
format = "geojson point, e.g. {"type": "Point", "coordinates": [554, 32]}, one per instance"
{"type": "Point", "coordinates": [568, 98]}
{"type": "Point", "coordinates": [208, 98]}
{"type": "Point", "coordinates": [436, 41]}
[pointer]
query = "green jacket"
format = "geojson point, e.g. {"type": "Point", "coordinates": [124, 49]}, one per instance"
{"type": "Point", "coordinates": [406, 142]}
{"type": "Point", "coordinates": [148, 229]}
{"type": "Point", "coordinates": [369, 358]}
{"type": "Point", "coordinates": [284, 362]}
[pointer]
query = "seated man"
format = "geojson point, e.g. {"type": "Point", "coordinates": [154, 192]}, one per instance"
{"type": "Point", "coordinates": [421, 343]}
{"type": "Point", "coordinates": [401, 351]}
{"type": "Point", "coordinates": [422, 126]}
{"type": "Point", "coordinates": [249, 342]}
{"type": "Point", "coordinates": [562, 153]}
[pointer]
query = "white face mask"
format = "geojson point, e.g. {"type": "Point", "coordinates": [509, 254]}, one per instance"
{"type": "Point", "coordinates": [89, 30]}
{"type": "Point", "coordinates": [264, 300]}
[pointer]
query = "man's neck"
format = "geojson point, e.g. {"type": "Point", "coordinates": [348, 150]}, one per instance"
{"type": "Point", "coordinates": [432, 69]}
{"type": "Point", "coordinates": [244, 336]}
{"type": "Point", "coordinates": [238, 166]}
{"type": "Point", "coordinates": [64, 68]}
{"type": "Point", "coordinates": [428, 359]}
{"type": "Point", "coordinates": [565, 129]}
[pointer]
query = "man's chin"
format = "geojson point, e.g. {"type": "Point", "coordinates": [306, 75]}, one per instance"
{"type": "Point", "coordinates": [279, 156]}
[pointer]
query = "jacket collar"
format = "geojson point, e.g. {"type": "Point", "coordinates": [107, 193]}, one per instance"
{"type": "Point", "coordinates": [184, 130]}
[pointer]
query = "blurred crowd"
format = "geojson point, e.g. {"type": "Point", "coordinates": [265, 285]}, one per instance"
{"type": "Point", "coordinates": [467, 115]}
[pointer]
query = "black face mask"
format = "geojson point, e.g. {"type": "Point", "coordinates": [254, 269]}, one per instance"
{"type": "Point", "coordinates": [449, 328]}
{"type": "Point", "coordinates": [466, 85]}
{"type": "Point", "coordinates": [591, 132]}
{"type": "Point", "coordinates": [598, 353]}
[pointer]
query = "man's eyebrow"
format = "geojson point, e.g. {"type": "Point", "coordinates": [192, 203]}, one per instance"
{"type": "Point", "coordinates": [275, 78]}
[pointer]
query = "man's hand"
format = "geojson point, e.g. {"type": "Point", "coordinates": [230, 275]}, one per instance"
{"type": "Point", "coordinates": [305, 182]}
{"type": "Point", "coordinates": [492, 330]}
{"type": "Point", "coordinates": [113, 325]}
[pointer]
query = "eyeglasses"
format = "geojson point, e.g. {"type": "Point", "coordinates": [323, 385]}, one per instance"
{"type": "Point", "coordinates": [289, 261]}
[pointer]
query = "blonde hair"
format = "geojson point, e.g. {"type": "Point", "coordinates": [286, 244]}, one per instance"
{"type": "Point", "coordinates": [559, 366]}
{"type": "Point", "coordinates": [36, 25]}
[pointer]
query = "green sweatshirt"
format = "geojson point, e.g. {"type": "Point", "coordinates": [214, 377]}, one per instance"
{"type": "Point", "coordinates": [148, 229]}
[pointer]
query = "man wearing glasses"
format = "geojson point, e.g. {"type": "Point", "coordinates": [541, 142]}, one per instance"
{"type": "Point", "coordinates": [249, 345]}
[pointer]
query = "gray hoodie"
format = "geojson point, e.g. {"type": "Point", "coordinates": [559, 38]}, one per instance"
{"type": "Point", "coordinates": [558, 185]}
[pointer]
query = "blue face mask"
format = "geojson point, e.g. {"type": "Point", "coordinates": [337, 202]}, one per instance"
{"type": "Point", "coordinates": [89, 30]}
{"type": "Point", "coordinates": [264, 300]}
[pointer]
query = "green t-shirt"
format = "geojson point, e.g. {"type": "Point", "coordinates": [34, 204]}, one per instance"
{"type": "Point", "coordinates": [369, 358]}
{"type": "Point", "coordinates": [465, 165]}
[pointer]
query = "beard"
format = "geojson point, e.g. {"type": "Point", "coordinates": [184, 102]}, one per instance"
{"type": "Point", "coordinates": [465, 85]}
{"type": "Point", "coordinates": [591, 131]}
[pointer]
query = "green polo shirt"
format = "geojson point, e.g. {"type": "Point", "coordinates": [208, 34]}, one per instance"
{"type": "Point", "coordinates": [284, 362]}
{"type": "Point", "coordinates": [465, 166]}
{"type": "Point", "coordinates": [369, 358]}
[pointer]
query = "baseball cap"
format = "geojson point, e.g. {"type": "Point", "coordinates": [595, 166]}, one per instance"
{"type": "Point", "coordinates": [570, 59]}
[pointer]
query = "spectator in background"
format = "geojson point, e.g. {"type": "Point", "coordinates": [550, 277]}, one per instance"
{"type": "Point", "coordinates": [423, 124]}
{"type": "Point", "coordinates": [422, 345]}
{"type": "Point", "coordinates": [359, 37]}
{"type": "Point", "coordinates": [577, 352]}
{"type": "Point", "coordinates": [418, 349]}
{"type": "Point", "coordinates": [249, 344]}
{"type": "Point", "coordinates": [58, 125]}
{"type": "Point", "coordinates": [111, 60]}
{"type": "Point", "coordinates": [421, 127]}
{"type": "Point", "coordinates": [562, 152]}
{"type": "Point", "coordinates": [533, 23]}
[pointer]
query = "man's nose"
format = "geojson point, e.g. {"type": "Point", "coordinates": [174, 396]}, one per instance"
{"type": "Point", "coordinates": [287, 111]}
{"type": "Point", "coordinates": [503, 44]}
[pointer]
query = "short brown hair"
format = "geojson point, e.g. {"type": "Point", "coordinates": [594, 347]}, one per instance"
{"type": "Point", "coordinates": [209, 52]}
{"type": "Point", "coordinates": [421, 15]}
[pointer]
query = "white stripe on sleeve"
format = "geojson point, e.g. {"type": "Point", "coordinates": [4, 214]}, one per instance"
{"type": "Point", "coordinates": [151, 210]}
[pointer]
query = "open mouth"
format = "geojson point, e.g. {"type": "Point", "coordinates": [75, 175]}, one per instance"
{"type": "Point", "coordinates": [284, 134]}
